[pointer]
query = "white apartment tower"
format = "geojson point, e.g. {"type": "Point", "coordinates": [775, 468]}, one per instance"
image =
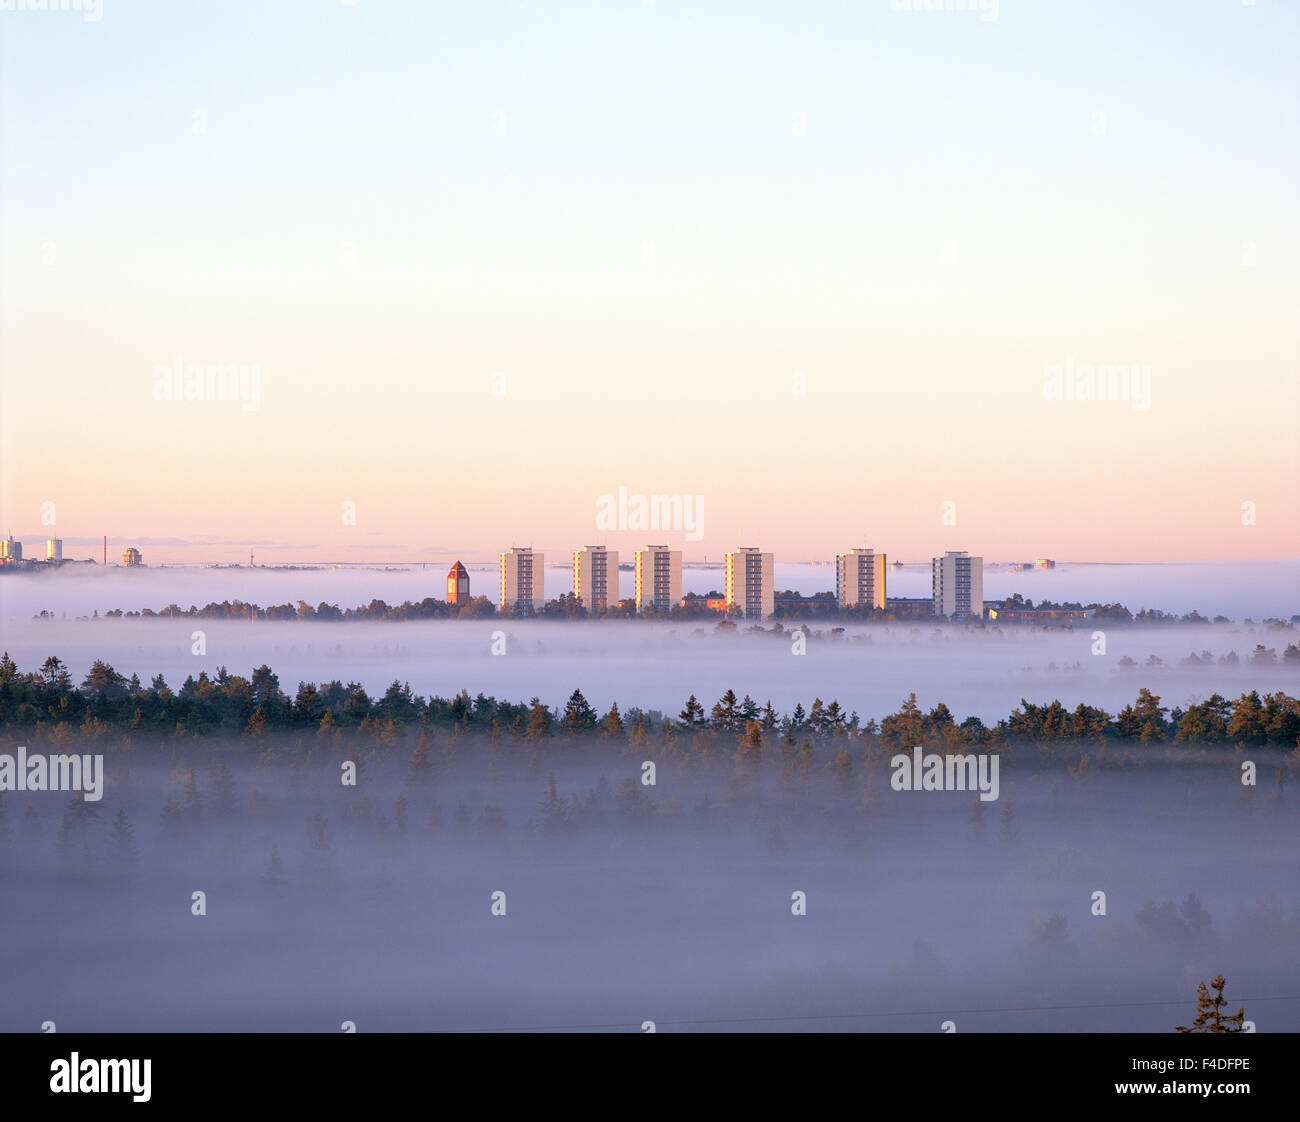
{"type": "Point", "coordinates": [658, 577]}
{"type": "Point", "coordinates": [749, 582]}
{"type": "Point", "coordinates": [522, 578]}
{"type": "Point", "coordinates": [595, 577]}
{"type": "Point", "coordinates": [957, 584]}
{"type": "Point", "coordinates": [54, 550]}
{"type": "Point", "coordinates": [860, 579]}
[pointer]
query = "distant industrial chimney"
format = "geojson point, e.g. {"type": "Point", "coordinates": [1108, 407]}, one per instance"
{"type": "Point", "coordinates": [105, 549]}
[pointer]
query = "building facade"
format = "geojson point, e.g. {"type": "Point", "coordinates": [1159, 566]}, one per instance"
{"type": "Point", "coordinates": [860, 579]}
{"type": "Point", "coordinates": [749, 582]}
{"type": "Point", "coordinates": [957, 585]}
{"type": "Point", "coordinates": [11, 551]}
{"type": "Point", "coordinates": [910, 607]}
{"type": "Point", "coordinates": [523, 579]}
{"type": "Point", "coordinates": [658, 577]}
{"type": "Point", "coordinates": [131, 557]}
{"type": "Point", "coordinates": [54, 550]}
{"type": "Point", "coordinates": [458, 585]}
{"type": "Point", "coordinates": [595, 577]}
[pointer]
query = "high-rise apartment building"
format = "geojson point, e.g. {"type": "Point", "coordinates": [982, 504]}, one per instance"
{"type": "Point", "coordinates": [54, 550]}
{"type": "Point", "coordinates": [749, 582]}
{"type": "Point", "coordinates": [595, 577]}
{"type": "Point", "coordinates": [658, 577]}
{"type": "Point", "coordinates": [957, 585]}
{"type": "Point", "coordinates": [860, 579]}
{"type": "Point", "coordinates": [11, 550]}
{"type": "Point", "coordinates": [522, 579]}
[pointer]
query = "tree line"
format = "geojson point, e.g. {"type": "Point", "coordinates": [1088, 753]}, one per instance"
{"type": "Point", "coordinates": [231, 704]}
{"type": "Point", "coordinates": [788, 604]}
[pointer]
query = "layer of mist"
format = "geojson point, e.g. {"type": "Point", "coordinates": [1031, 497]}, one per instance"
{"type": "Point", "coordinates": [867, 668]}
{"type": "Point", "coordinates": [627, 902]}
{"type": "Point", "coordinates": [1239, 590]}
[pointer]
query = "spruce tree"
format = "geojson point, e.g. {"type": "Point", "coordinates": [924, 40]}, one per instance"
{"type": "Point", "coordinates": [692, 716]}
{"type": "Point", "coordinates": [123, 839]}
{"type": "Point", "coordinates": [579, 716]}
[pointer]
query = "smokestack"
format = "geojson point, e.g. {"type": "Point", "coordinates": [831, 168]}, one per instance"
{"type": "Point", "coordinates": [105, 549]}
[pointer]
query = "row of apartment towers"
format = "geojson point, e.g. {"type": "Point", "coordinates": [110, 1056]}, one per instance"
{"type": "Point", "coordinates": [956, 580]}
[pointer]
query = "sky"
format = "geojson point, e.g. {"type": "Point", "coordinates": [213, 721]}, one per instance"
{"type": "Point", "coordinates": [815, 265]}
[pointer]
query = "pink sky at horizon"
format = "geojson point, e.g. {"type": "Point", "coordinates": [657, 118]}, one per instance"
{"type": "Point", "coordinates": [827, 308]}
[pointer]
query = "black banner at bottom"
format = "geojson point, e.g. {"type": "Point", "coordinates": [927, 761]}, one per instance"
{"type": "Point", "coordinates": [345, 1069]}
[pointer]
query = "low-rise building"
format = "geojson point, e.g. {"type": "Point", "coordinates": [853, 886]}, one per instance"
{"type": "Point", "coordinates": [458, 585]}
{"type": "Point", "coordinates": [910, 607]}
{"type": "Point", "coordinates": [1040, 615]}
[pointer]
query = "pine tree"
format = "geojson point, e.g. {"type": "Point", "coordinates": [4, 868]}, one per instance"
{"type": "Point", "coordinates": [841, 767]}
{"type": "Point", "coordinates": [123, 839]}
{"type": "Point", "coordinates": [193, 799]}
{"type": "Point", "coordinates": [421, 767]}
{"type": "Point", "coordinates": [692, 716]}
{"type": "Point", "coordinates": [539, 721]}
{"type": "Point", "coordinates": [579, 716]}
{"type": "Point", "coordinates": [256, 728]}
{"type": "Point", "coordinates": [751, 745]}
{"type": "Point", "coordinates": [724, 715]}
{"type": "Point", "coordinates": [223, 797]}
{"type": "Point", "coordinates": [613, 723]}
{"type": "Point", "coordinates": [318, 855]}
{"type": "Point", "coordinates": [1208, 1015]}
{"type": "Point", "coordinates": [551, 806]}
{"type": "Point", "coordinates": [172, 817]}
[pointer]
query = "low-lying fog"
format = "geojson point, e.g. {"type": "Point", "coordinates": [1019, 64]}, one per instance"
{"type": "Point", "coordinates": [1238, 590]}
{"type": "Point", "coordinates": [870, 669]}
{"type": "Point", "coordinates": [626, 903]}
{"type": "Point", "coordinates": [669, 903]}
